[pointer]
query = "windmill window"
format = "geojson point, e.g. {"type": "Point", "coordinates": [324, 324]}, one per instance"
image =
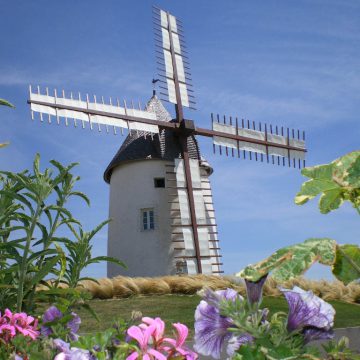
{"type": "Point", "coordinates": [159, 182]}
{"type": "Point", "coordinates": [181, 267]}
{"type": "Point", "coordinates": [147, 219]}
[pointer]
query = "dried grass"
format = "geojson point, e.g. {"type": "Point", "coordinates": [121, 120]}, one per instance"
{"type": "Point", "coordinates": [122, 286]}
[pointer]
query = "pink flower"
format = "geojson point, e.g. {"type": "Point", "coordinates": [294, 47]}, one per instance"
{"type": "Point", "coordinates": [142, 336]}
{"type": "Point", "coordinates": [159, 325]}
{"type": "Point", "coordinates": [178, 344]}
{"type": "Point", "coordinates": [12, 324]}
{"type": "Point", "coordinates": [26, 325]}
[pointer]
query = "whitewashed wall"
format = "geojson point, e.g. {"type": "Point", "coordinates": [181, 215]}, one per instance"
{"type": "Point", "coordinates": [146, 253]}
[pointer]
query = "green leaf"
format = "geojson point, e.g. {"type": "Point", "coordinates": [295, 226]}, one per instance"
{"type": "Point", "coordinates": [88, 308]}
{"type": "Point", "coordinates": [108, 259]}
{"type": "Point", "coordinates": [330, 200]}
{"type": "Point", "coordinates": [45, 270]}
{"type": "Point", "coordinates": [347, 263]}
{"type": "Point", "coordinates": [347, 170]}
{"type": "Point", "coordinates": [292, 261]}
{"type": "Point", "coordinates": [6, 103]}
{"type": "Point", "coordinates": [336, 182]}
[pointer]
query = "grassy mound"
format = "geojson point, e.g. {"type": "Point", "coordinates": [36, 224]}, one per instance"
{"type": "Point", "coordinates": [181, 308]}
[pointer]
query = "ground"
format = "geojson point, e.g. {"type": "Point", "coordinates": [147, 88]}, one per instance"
{"type": "Point", "coordinates": [180, 308]}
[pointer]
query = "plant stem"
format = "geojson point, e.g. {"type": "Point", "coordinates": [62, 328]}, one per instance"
{"type": "Point", "coordinates": [23, 265]}
{"type": "Point", "coordinates": [46, 245]}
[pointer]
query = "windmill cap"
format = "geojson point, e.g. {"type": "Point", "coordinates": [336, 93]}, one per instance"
{"type": "Point", "coordinates": [140, 145]}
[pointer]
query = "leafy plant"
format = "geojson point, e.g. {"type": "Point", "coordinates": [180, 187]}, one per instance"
{"type": "Point", "coordinates": [32, 209]}
{"type": "Point", "coordinates": [80, 255]}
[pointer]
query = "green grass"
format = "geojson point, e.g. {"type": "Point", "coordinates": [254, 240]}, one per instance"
{"type": "Point", "coordinates": [180, 308]}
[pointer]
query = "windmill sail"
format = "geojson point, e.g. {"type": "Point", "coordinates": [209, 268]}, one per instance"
{"type": "Point", "coordinates": [263, 141]}
{"type": "Point", "coordinates": [185, 247]}
{"type": "Point", "coordinates": [92, 112]}
{"type": "Point", "coordinates": [174, 65]}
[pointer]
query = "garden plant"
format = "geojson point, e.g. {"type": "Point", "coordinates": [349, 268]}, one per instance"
{"type": "Point", "coordinates": [5, 103]}
{"type": "Point", "coordinates": [227, 325]}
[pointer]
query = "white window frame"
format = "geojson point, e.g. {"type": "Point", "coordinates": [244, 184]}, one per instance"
{"type": "Point", "coordinates": [149, 223]}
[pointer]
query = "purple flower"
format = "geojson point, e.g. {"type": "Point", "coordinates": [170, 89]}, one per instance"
{"type": "Point", "coordinates": [307, 310]}
{"type": "Point", "coordinates": [313, 333]}
{"type": "Point", "coordinates": [236, 341]}
{"type": "Point", "coordinates": [50, 315]}
{"type": "Point", "coordinates": [53, 314]}
{"type": "Point", "coordinates": [211, 328]}
{"type": "Point", "coordinates": [254, 290]}
{"type": "Point", "coordinates": [73, 325]}
{"type": "Point", "coordinates": [67, 353]}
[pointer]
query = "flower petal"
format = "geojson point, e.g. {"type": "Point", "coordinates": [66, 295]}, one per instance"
{"type": "Point", "coordinates": [133, 356]}
{"type": "Point", "coordinates": [182, 331]}
{"type": "Point", "coordinates": [156, 354]}
{"type": "Point", "coordinates": [211, 330]}
{"type": "Point", "coordinates": [306, 309]}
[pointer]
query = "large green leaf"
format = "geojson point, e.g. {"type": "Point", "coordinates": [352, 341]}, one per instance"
{"type": "Point", "coordinates": [347, 263]}
{"type": "Point", "coordinates": [292, 261]}
{"type": "Point", "coordinates": [336, 182]}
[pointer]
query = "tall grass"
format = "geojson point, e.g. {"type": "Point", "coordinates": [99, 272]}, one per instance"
{"type": "Point", "coordinates": [123, 287]}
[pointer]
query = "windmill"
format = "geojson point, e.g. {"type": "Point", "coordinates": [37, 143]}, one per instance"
{"type": "Point", "coordinates": [191, 225]}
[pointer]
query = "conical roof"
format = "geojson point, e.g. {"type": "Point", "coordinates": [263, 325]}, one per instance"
{"type": "Point", "coordinates": [140, 145]}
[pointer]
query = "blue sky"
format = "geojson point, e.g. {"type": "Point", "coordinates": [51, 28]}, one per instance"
{"type": "Point", "coordinates": [292, 63]}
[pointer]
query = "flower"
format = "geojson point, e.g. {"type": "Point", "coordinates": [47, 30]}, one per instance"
{"type": "Point", "coordinates": [53, 314]}
{"type": "Point", "coordinates": [73, 325]}
{"type": "Point", "coordinates": [178, 347]}
{"type": "Point", "coordinates": [236, 341]}
{"type": "Point", "coordinates": [12, 324]}
{"type": "Point", "coordinates": [68, 353]}
{"type": "Point", "coordinates": [158, 333]}
{"type": "Point", "coordinates": [312, 334]}
{"type": "Point", "coordinates": [307, 310]}
{"type": "Point", "coordinates": [254, 290]}
{"type": "Point", "coordinates": [26, 325]}
{"type": "Point", "coordinates": [142, 336]}
{"type": "Point", "coordinates": [211, 328]}
{"type": "Point", "coordinates": [50, 315]}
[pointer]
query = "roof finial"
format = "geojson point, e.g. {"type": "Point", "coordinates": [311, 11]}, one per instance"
{"type": "Point", "coordinates": [154, 81]}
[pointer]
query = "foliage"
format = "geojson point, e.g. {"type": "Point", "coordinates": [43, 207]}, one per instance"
{"type": "Point", "coordinates": [337, 182]}
{"type": "Point", "coordinates": [80, 256]}
{"type": "Point", "coordinates": [32, 209]}
{"type": "Point", "coordinates": [347, 263]}
{"type": "Point", "coordinates": [5, 103]}
{"type": "Point", "coordinates": [292, 261]}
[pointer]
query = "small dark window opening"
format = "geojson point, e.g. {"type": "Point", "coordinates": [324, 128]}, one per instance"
{"type": "Point", "coordinates": [159, 182]}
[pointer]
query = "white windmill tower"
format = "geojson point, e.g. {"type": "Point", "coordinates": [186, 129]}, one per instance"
{"type": "Point", "coordinates": [160, 195]}
{"type": "Point", "coordinates": [148, 205]}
